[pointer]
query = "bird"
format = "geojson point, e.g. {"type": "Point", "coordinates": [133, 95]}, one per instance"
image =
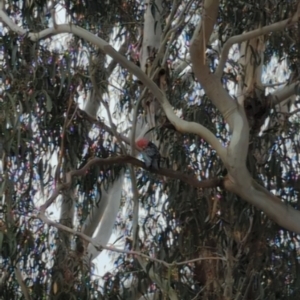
{"type": "Point", "coordinates": [149, 152]}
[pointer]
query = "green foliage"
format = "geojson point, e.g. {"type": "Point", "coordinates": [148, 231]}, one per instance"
{"type": "Point", "coordinates": [40, 118]}
{"type": "Point", "coordinates": [241, 16]}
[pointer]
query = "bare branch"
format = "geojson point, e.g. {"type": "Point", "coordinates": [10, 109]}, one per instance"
{"type": "Point", "coordinates": [3, 278]}
{"type": "Point", "coordinates": [235, 161]}
{"type": "Point", "coordinates": [250, 35]}
{"type": "Point", "coordinates": [281, 213]}
{"type": "Point", "coordinates": [284, 93]}
{"type": "Point", "coordinates": [170, 18]}
{"type": "Point", "coordinates": [53, 15]}
{"type": "Point", "coordinates": [151, 38]}
{"type": "Point", "coordinates": [102, 125]}
{"type": "Point", "coordinates": [6, 20]}
{"type": "Point", "coordinates": [22, 284]}
{"type": "Point", "coordinates": [113, 63]}
{"type": "Point", "coordinates": [292, 112]}
{"type": "Point", "coordinates": [180, 125]}
{"type": "Point", "coordinates": [272, 85]}
{"type": "Point", "coordinates": [125, 159]}
{"type": "Point", "coordinates": [135, 214]}
{"type": "Point", "coordinates": [113, 126]}
{"type": "Point", "coordinates": [163, 52]}
{"type": "Point", "coordinates": [232, 111]}
{"type": "Point", "coordinates": [211, 84]}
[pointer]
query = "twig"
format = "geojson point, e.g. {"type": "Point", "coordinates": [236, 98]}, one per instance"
{"type": "Point", "coordinates": [196, 297]}
{"type": "Point", "coordinates": [248, 231]}
{"type": "Point", "coordinates": [53, 15]}
{"type": "Point", "coordinates": [270, 85]}
{"type": "Point", "coordinates": [23, 286]}
{"type": "Point", "coordinates": [113, 126]}
{"type": "Point", "coordinates": [135, 217]}
{"type": "Point", "coordinates": [62, 144]}
{"type": "Point", "coordinates": [100, 124]}
{"type": "Point", "coordinates": [88, 239]}
{"type": "Point", "coordinates": [166, 38]}
{"type": "Point", "coordinates": [113, 63]}
{"type": "Point", "coordinates": [170, 18]}
{"type": "Point", "coordinates": [291, 113]}
{"type": "Point", "coordinates": [72, 117]}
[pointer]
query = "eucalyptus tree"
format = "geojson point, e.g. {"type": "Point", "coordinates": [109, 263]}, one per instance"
{"type": "Point", "coordinates": [215, 85]}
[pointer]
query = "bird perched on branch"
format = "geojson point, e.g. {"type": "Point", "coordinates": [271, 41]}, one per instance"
{"type": "Point", "coordinates": [150, 153]}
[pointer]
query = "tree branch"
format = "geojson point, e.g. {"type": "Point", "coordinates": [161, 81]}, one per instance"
{"type": "Point", "coordinates": [250, 35]}
{"type": "Point", "coordinates": [282, 94]}
{"type": "Point", "coordinates": [100, 124]}
{"type": "Point", "coordinates": [125, 159]}
{"type": "Point", "coordinates": [88, 239]}
{"type": "Point", "coordinates": [161, 282]}
{"type": "Point", "coordinates": [210, 83]}
{"type": "Point", "coordinates": [113, 63]}
{"type": "Point", "coordinates": [22, 284]}
{"type": "Point", "coordinates": [281, 213]}
{"type": "Point", "coordinates": [181, 125]}
{"type": "Point", "coordinates": [232, 111]}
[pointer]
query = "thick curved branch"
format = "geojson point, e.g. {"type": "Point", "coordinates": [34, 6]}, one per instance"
{"type": "Point", "coordinates": [284, 93]}
{"type": "Point", "coordinates": [281, 213]}
{"type": "Point", "coordinates": [210, 83]}
{"type": "Point", "coordinates": [125, 159]}
{"type": "Point", "coordinates": [232, 111]}
{"type": "Point", "coordinates": [180, 125]}
{"type": "Point", "coordinates": [253, 34]}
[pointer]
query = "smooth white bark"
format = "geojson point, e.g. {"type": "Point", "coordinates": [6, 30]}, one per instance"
{"type": "Point", "coordinates": [285, 92]}
{"type": "Point", "coordinates": [239, 180]}
{"type": "Point", "coordinates": [151, 33]}
{"type": "Point", "coordinates": [106, 213]}
{"type": "Point", "coordinates": [232, 112]}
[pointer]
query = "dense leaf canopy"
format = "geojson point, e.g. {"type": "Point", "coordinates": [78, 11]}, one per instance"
{"type": "Point", "coordinates": [45, 133]}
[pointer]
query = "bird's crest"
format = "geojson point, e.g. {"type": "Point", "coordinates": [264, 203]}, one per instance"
{"type": "Point", "coordinates": [142, 143]}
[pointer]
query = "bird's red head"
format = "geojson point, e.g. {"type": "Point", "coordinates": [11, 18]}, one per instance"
{"type": "Point", "coordinates": [142, 143]}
